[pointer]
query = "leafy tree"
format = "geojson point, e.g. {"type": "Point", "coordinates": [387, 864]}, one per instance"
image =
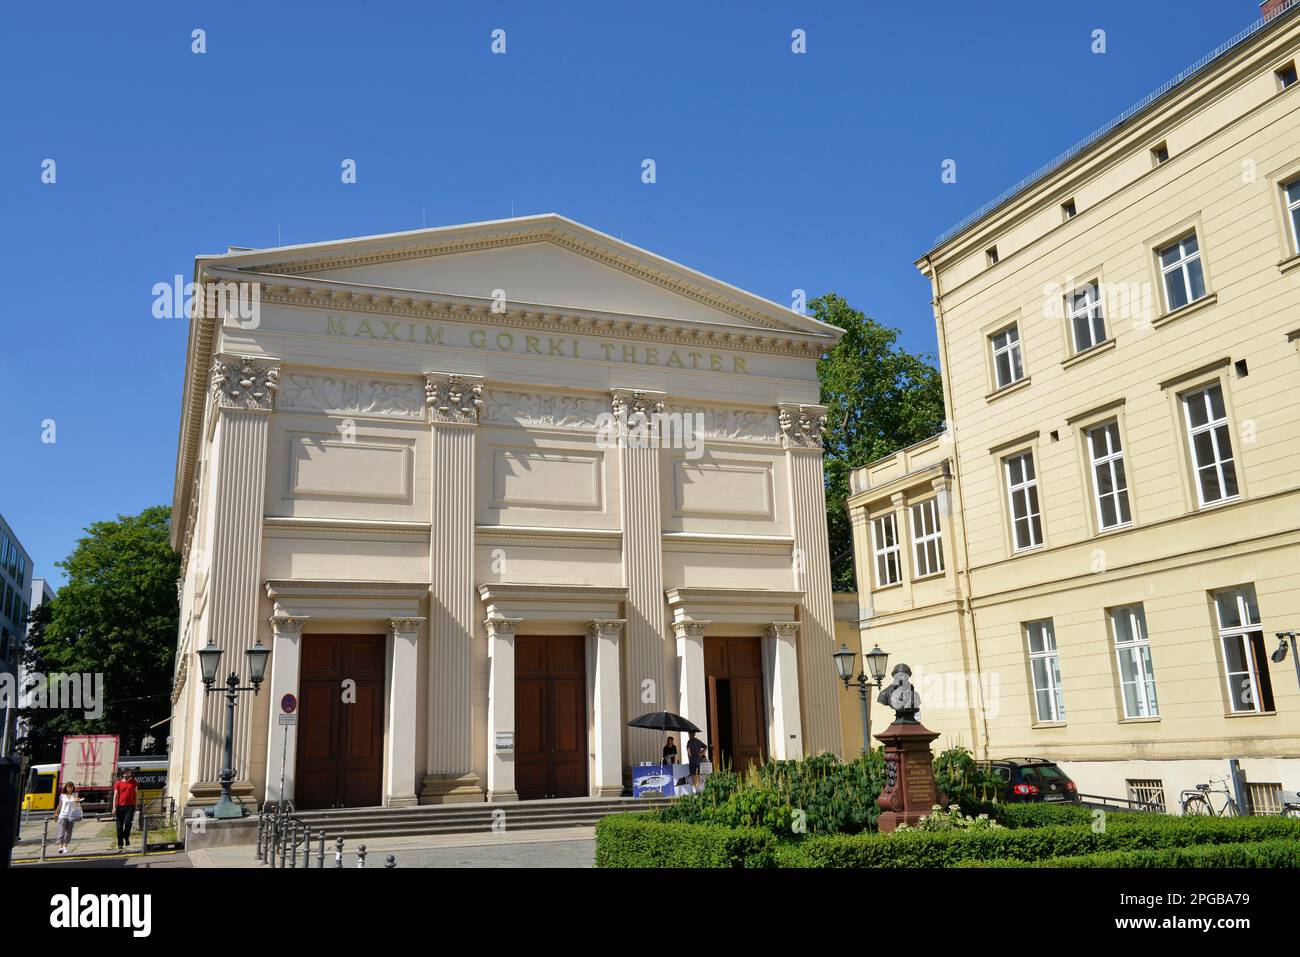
{"type": "Point", "coordinates": [116, 616]}
{"type": "Point", "coordinates": [880, 398]}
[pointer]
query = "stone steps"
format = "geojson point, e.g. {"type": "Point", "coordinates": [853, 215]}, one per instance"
{"type": "Point", "coordinates": [372, 823]}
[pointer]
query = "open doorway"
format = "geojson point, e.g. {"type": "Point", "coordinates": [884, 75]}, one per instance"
{"type": "Point", "coordinates": [737, 733]}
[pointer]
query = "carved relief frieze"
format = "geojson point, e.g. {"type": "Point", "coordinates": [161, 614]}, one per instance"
{"type": "Point", "coordinates": [741, 424]}
{"type": "Point", "coordinates": [543, 409]}
{"type": "Point", "coordinates": [327, 393]}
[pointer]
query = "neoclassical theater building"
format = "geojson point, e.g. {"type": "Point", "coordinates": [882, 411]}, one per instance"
{"type": "Point", "coordinates": [425, 470]}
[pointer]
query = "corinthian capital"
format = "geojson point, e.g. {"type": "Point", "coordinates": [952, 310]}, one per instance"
{"type": "Point", "coordinates": [452, 398]}
{"type": "Point", "coordinates": [801, 425]}
{"type": "Point", "coordinates": [245, 382]}
{"type": "Point", "coordinates": [625, 402]}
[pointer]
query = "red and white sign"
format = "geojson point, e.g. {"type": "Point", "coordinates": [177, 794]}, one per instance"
{"type": "Point", "coordinates": [89, 760]}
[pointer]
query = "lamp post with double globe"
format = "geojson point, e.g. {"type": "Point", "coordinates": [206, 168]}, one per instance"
{"type": "Point", "coordinates": [874, 663]}
{"type": "Point", "coordinates": [209, 661]}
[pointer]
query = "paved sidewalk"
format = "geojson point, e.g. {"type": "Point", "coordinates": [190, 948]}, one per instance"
{"type": "Point", "coordinates": [558, 847]}
{"type": "Point", "coordinates": [91, 836]}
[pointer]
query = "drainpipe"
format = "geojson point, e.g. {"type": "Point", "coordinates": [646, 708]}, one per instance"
{"type": "Point", "coordinates": [956, 479]}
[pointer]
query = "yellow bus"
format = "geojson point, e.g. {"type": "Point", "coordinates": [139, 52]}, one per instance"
{"type": "Point", "coordinates": [43, 783]}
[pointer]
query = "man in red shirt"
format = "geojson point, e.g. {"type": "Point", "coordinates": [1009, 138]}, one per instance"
{"type": "Point", "coordinates": [124, 797]}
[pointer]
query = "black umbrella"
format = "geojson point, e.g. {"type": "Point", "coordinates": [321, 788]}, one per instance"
{"type": "Point", "coordinates": [663, 722]}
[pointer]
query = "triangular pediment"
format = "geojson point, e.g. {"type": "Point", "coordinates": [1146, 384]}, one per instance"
{"type": "Point", "coordinates": [547, 261]}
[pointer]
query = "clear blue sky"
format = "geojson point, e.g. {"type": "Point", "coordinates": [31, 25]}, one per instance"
{"type": "Point", "coordinates": [775, 171]}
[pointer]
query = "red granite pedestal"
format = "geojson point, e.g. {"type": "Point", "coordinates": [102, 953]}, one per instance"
{"type": "Point", "coordinates": [910, 791]}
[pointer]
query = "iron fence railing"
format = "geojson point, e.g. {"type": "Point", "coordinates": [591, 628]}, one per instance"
{"type": "Point", "coordinates": [281, 835]}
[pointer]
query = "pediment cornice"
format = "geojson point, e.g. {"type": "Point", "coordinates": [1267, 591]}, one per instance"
{"type": "Point", "coordinates": [561, 232]}
{"type": "Point", "coordinates": [313, 292]}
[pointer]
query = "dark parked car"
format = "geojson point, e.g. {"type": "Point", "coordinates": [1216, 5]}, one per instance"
{"type": "Point", "coordinates": [1033, 779]}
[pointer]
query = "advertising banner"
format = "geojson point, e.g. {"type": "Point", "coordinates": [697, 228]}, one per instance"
{"type": "Point", "coordinates": [89, 760]}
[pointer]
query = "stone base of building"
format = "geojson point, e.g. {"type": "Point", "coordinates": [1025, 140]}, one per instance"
{"type": "Point", "coordinates": [502, 797]}
{"type": "Point", "coordinates": [608, 792]}
{"type": "Point", "coordinates": [1161, 782]}
{"type": "Point", "coordinates": [208, 793]}
{"type": "Point", "coordinates": [451, 789]}
{"type": "Point", "coordinates": [212, 833]}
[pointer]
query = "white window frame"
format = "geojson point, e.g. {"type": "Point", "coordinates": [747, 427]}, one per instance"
{"type": "Point", "coordinates": [1182, 267]}
{"type": "Point", "coordinates": [1011, 349]}
{"type": "Point", "coordinates": [1107, 461]}
{"type": "Point", "coordinates": [1050, 655]}
{"type": "Point", "coordinates": [1088, 310]}
{"type": "Point", "coordinates": [1212, 426]}
{"type": "Point", "coordinates": [1137, 652]}
{"type": "Point", "coordinates": [1240, 633]}
{"type": "Point", "coordinates": [921, 538]}
{"type": "Point", "coordinates": [1292, 204]}
{"type": "Point", "coordinates": [1025, 485]}
{"type": "Point", "coordinates": [882, 554]}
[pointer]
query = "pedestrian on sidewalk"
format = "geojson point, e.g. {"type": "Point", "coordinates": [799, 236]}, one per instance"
{"type": "Point", "coordinates": [69, 814]}
{"type": "Point", "coordinates": [124, 798]}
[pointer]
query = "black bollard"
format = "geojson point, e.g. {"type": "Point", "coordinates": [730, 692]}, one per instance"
{"type": "Point", "coordinates": [320, 850]}
{"type": "Point", "coordinates": [361, 855]}
{"type": "Point", "coordinates": [338, 852]}
{"type": "Point", "coordinates": [392, 862]}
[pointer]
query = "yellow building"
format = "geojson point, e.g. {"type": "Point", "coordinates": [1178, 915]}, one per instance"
{"type": "Point", "coordinates": [1090, 564]}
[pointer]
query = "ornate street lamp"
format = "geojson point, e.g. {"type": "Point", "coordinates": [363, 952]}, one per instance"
{"type": "Point", "coordinates": [209, 662]}
{"type": "Point", "coordinates": [875, 662]}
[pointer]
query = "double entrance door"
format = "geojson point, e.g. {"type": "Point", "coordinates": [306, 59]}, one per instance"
{"type": "Point", "coordinates": [341, 722]}
{"type": "Point", "coordinates": [550, 716]}
{"type": "Point", "coordinates": [733, 669]}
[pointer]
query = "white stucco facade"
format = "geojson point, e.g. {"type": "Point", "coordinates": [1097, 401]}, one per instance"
{"type": "Point", "coordinates": [430, 442]}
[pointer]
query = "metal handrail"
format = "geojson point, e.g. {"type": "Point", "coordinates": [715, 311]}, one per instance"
{"type": "Point", "coordinates": [1117, 121]}
{"type": "Point", "coordinates": [1131, 805]}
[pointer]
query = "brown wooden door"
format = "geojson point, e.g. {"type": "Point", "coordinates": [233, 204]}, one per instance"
{"type": "Point", "coordinates": [550, 716]}
{"type": "Point", "coordinates": [733, 669]}
{"type": "Point", "coordinates": [340, 724]}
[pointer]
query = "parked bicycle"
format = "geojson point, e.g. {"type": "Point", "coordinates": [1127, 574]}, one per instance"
{"type": "Point", "coordinates": [1198, 800]}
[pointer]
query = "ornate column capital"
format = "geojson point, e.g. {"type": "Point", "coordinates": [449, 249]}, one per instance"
{"type": "Point", "coordinates": [405, 626]}
{"type": "Point", "coordinates": [783, 629]}
{"type": "Point", "coordinates": [453, 398]}
{"type": "Point", "coordinates": [690, 627]}
{"type": "Point", "coordinates": [606, 627]}
{"type": "Point", "coordinates": [244, 382]}
{"type": "Point", "coordinates": [501, 627]}
{"type": "Point", "coordinates": [625, 402]}
{"type": "Point", "coordinates": [801, 425]}
{"type": "Point", "coordinates": [287, 624]}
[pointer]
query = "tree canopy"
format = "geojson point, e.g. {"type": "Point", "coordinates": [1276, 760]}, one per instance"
{"type": "Point", "coordinates": [880, 398]}
{"type": "Point", "coordinates": [116, 616]}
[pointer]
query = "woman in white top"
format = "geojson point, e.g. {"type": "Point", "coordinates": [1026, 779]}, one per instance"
{"type": "Point", "coordinates": [69, 814]}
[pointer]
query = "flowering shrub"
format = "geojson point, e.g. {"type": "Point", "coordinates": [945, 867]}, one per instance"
{"type": "Point", "coordinates": [951, 820]}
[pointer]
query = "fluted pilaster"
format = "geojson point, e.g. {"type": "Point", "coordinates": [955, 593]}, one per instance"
{"type": "Point", "coordinates": [454, 402]}
{"type": "Point", "coordinates": [243, 394]}
{"type": "Point", "coordinates": [801, 428]}
{"type": "Point", "coordinates": [645, 636]}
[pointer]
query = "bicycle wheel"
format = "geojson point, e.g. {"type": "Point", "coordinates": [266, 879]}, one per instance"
{"type": "Point", "coordinates": [1291, 810]}
{"type": "Point", "coordinates": [1197, 805]}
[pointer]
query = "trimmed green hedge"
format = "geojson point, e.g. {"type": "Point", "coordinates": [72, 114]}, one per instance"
{"type": "Point", "coordinates": [1039, 814]}
{"type": "Point", "coordinates": [1280, 852]}
{"type": "Point", "coordinates": [950, 848]}
{"type": "Point", "coordinates": [635, 840]}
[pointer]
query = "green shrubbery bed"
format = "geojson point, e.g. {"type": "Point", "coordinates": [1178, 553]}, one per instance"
{"type": "Point", "coordinates": [1033, 844]}
{"type": "Point", "coordinates": [1279, 852]}
{"type": "Point", "coordinates": [821, 812]}
{"type": "Point", "coordinates": [635, 840]}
